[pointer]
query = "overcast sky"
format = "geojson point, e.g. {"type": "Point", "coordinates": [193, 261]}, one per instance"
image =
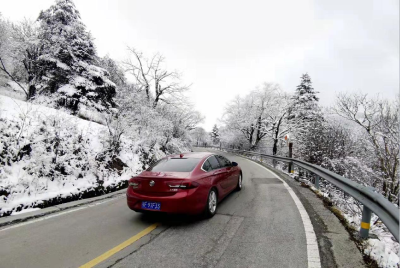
{"type": "Point", "coordinates": [225, 48]}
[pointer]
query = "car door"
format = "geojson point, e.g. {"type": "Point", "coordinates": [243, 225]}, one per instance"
{"type": "Point", "coordinates": [219, 175]}
{"type": "Point", "coordinates": [231, 179]}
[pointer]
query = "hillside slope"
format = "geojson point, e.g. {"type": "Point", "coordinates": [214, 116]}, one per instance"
{"type": "Point", "coordinates": [48, 156]}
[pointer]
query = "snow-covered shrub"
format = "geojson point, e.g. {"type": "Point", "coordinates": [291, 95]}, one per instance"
{"type": "Point", "coordinates": [354, 169]}
{"type": "Point", "coordinates": [151, 127]}
{"type": "Point", "coordinates": [48, 155]}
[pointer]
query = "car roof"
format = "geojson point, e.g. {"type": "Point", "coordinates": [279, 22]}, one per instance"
{"type": "Point", "coordinates": [192, 155]}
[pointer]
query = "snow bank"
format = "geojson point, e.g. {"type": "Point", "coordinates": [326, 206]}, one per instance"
{"type": "Point", "coordinates": [25, 211]}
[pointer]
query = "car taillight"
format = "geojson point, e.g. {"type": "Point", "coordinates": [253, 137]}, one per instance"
{"type": "Point", "coordinates": [189, 185]}
{"type": "Point", "coordinates": [134, 184]}
{"type": "Point", "coordinates": [185, 185]}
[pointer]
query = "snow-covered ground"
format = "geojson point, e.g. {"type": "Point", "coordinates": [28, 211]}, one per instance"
{"type": "Point", "coordinates": [383, 249]}
{"type": "Point", "coordinates": [12, 90]}
{"type": "Point", "coordinates": [46, 154]}
{"type": "Point", "coordinates": [24, 211]}
{"type": "Point", "coordinates": [381, 246]}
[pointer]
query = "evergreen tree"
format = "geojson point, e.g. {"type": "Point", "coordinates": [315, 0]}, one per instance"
{"type": "Point", "coordinates": [306, 121]}
{"type": "Point", "coordinates": [215, 134]}
{"type": "Point", "coordinates": [68, 62]}
{"type": "Point", "coordinates": [115, 71]}
{"type": "Point", "coordinates": [305, 102]}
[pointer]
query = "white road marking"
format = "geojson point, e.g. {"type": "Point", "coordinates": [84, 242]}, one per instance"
{"type": "Point", "coordinates": [312, 244]}
{"type": "Point", "coordinates": [57, 214]}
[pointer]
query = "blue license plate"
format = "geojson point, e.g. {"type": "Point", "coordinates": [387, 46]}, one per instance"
{"type": "Point", "coordinates": [151, 205]}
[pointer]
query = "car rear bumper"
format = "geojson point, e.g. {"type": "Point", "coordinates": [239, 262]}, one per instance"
{"type": "Point", "coordinates": [185, 202]}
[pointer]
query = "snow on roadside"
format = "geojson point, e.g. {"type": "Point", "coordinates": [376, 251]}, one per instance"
{"type": "Point", "coordinates": [383, 249]}
{"type": "Point", "coordinates": [381, 246]}
{"type": "Point", "coordinates": [24, 211]}
{"type": "Point", "coordinates": [46, 153]}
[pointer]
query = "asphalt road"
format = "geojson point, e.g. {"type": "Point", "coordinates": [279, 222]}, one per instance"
{"type": "Point", "coordinates": [260, 226]}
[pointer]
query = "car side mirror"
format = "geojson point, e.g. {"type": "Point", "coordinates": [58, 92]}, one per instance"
{"type": "Point", "coordinates": [234, 164]}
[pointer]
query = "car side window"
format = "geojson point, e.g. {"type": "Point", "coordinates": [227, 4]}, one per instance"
{"type": "Point", "coordinates": [223, 161]}
{"type": "Point", "coordinates": [214, 162]}
{"type": "Point", "coordinates": [206, 166]}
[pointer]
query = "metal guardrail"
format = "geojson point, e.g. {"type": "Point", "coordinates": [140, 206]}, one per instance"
{"type": "Point", "coordinates": [371, 200]}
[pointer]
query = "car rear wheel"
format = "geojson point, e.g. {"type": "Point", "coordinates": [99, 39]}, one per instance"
{"type": "Point", "coordinates": [212, 203]}
{"type": "Point", "coordinates": [240, 183]}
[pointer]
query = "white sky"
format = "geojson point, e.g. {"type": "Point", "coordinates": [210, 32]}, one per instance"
{"type": "Point", "coordinates": [225, 48]}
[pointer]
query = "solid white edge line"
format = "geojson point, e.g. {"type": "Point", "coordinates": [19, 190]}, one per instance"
{"type": "Point", "coordinates": [313, 258]}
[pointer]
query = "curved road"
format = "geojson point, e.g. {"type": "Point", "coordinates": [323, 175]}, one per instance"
{"type": "Point", "coordinates": [261, 226]}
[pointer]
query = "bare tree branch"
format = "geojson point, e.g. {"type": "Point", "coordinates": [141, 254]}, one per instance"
{"type": "Point", "coordinates": [3, 68]}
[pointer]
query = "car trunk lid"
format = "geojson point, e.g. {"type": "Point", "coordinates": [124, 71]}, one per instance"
{"type": "Point", "coordinates": [160, 182]}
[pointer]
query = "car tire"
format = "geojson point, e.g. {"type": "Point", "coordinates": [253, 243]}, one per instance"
{"type": "Point", "coordinates": [212, 204]}
{"type": "Point", "coordinates": [240, 183]}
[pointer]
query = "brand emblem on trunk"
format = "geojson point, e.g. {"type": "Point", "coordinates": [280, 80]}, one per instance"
{"type": "Point", "coordinates": [152, 183]}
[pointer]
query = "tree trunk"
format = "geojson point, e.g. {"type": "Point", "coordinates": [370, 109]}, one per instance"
{"type": "Point", "coordinates": [251, 137]}
{"type": "Point", "coordinates": [275, 148]}
{"type": "Point", "coordinates": [31, 91]}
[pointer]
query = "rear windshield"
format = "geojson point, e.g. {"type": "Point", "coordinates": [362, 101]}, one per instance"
{"type": "Point", "coordinates": [175, 165]}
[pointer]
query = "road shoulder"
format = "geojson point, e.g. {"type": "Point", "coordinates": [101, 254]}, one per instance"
{"type": "Point", "coordinates": [14, 219]}
{"type": "Point", "coordinates": [335, 246]}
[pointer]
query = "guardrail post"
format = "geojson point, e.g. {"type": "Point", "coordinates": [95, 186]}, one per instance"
{"type": "Point", "coordinates": [365, 222]}
{"type": "Point", "coordinates": [290, 156]}
{"type": "Point", "coordinates": [316, 183]}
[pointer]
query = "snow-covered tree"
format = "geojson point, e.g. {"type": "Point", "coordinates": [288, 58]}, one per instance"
{"type": "Point", "coordinates": [232, 138]}
{"type": "Point", "coordinates": [259, 115]}
{"type": "Point", "coordinates": [246, 115]}
{"type": "Point", "coordinates": [305, 108]}
{"type": "Point", "coordinates": [275, 123]}
{"type": "Point", "coordinates": [305, 119]}
{"type": "Point", "coordinates": [152, 76]}
{"type": "Point", "coordinates": [10, 59]}
{"type": "Point", "coordinates": [379, 119]}
{"type": "Point", "coordinates": [25, 53]}
{"type": "Point", "coordinates": [70, 77]}
{"type": "Point", "coordinates": [215, 137]}
{"type": "Point", "coordinates": [115, 71]}
{"type": "Point", "coordinates": [5, 32]}
{"type": "Point", "coordinates": [183, 117]}
{"type": "Point", "coordinates": [199, 135]}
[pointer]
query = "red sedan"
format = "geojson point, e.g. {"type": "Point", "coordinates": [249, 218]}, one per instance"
{"type": "Point", "coordinates": [190, 183]}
